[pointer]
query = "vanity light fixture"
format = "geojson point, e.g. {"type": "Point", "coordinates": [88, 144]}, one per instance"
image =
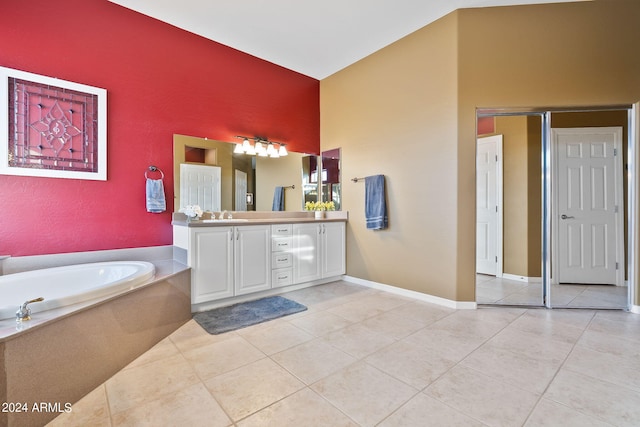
{"type": "Point", "coordinates": [261, 147]}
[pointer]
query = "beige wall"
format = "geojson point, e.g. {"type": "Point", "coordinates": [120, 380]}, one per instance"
{"type": "Point", "coordinates": [394, 113]}
{"type": "Point", "coordinates": [408, 111]}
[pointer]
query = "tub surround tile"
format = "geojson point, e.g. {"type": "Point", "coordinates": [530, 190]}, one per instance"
{"type": "Point", "coordinates": [42, 364]}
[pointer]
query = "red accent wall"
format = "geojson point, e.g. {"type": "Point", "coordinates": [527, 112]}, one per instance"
{"type": "Point", "coordinates": [160, 80]}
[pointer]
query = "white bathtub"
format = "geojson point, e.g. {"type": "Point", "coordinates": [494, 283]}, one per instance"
{"type": "Point", "coordinates": [62, 286]}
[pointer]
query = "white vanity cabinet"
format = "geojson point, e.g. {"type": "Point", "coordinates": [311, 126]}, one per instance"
{"type": "Point", "coordinates": [227, 261]}
{"type": "Point", "coordinates": [281, 255]}
{"type": "Point", "coordinates": [252, 259]}
{"type": "Point", "coordinates": [319, 251]}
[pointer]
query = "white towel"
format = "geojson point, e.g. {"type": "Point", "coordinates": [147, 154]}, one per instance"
{"type": "Point", "coordinates": [156, 202]}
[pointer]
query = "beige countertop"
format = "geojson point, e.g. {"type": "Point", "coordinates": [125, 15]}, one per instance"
{"type": "Point", "coordinates": [259, 218]}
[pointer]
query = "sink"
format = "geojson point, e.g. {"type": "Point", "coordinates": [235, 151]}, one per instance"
{"type": "Point", "coordinates": [226, 220]}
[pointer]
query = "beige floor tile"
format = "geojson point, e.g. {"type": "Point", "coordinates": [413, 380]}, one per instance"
{"type": "Point", "coordinates": [253, 387]}
{"type": "Point", "coordinates": [627, 329]}
{"type": "Point", "coordinates": [392, 325]}
{"type": "Point", "coordinates": [596, 398]}
{"type": "Point", "coordinates": [605, 366]}
{"type": "Point", "coordinates": [483, 398]}
{"type": "Point", "coordinates": [191, 335]}
{"type": "Point", "coordinates": [552, 414]}
{"type": "Point", "coordinates": [163, 349]}
{"type": "Point", "coordinates": [548, 328]}
{"type": "Point", "coordinates": [141, 384]}
{"type": "Point", "coordinates": [321, 323]}
{"type": "Point", "coordinates": [356, 311]}
{"type": "Point", "coordinates": [190, 406]}
{"type": "Point", "coordinates": [356, 391]}
{"type": "Point", "coordinates": [91, 410]}
{"type": "Point", "coordinates": [531, 345]}
{"type": "Point", "coordinates": [357, 340]}
{"type": "Point", "coordinates": [223, 356]}
{"type": "Point", "coordinates": [313, 360]}
{"type": "Point", "coordinates": [468, 326]}
{"type": "Point", "coordinates": [278, 337]}
{"type": "Point", "coordinates": [422, 312]}
{"type": "Point", "coordinates": [425, 411]}
{"type": "Point", "coordinates": [517, 369]}
{"type": "Point", "coordinates": [304, 408]}
{"type": "Point", "coordinates": [413, 364]}
{"type": "Point", "coordinates": [605, 343]}
{"type": "Point", "coordinates": [445, 343]}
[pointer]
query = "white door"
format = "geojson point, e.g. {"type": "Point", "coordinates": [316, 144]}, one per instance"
{"type": "Point", "coordinates": [488, 205]}
{"type": "Point", "coordinates": [306, 252]}
{"type": "Point", "coordinates": [200, 185]}
{"type": "Point", "coordinates": [333, 249]}
{"type": "Point", "coordinates": [211, 261]}
{"type": "Point", "coordinates": [588, 218]}
{"type": "Point", "coordinates": [241, 191]}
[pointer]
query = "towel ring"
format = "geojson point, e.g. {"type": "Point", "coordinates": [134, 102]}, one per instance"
{"type": "Point", "coordinates": [153, 169]}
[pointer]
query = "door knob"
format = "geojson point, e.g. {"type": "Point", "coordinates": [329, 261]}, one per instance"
{"type": "Point", "coordinates": [563, 216]}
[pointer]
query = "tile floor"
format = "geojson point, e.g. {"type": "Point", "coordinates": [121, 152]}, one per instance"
{"type": "Point", "coordinates": [493, 290]}
{"type": "Point", "coordinates": [361, 357]}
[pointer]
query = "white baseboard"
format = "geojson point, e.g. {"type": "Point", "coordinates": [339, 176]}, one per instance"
{"type": "Point", "coordinates": [522, 278]}
{"type": "Point", "coordinates": [635, 309]}
{"type": "Point", "coordinates": [465, 305]}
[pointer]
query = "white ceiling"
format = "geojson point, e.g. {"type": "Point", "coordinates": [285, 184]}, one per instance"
{"type": "Point", "coordinates": [315, 38]}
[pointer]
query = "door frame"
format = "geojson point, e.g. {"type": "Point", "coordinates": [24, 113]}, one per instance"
{"type": "Point", "coordinates": [619, 214]}
{"type": "Point", "coordinates": [633, 197]}
{"type": "Point", "coordinates": [498, 140]}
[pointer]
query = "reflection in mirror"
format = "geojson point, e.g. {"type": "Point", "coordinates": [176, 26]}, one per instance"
{"type": "Point", "coordinates": [508, 210]}
{"type": "Point", "coordinates": [245, 182]}
{"type": "Point", "coordinates": [514, 241]}
{"type": "Point", "coordinates": [331, 187]}
{"type": "Point", "coordinates": [309, 179]}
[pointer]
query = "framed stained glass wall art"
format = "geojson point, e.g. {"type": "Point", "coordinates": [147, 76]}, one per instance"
{"type": "Point", "coordinates": [51, 127]}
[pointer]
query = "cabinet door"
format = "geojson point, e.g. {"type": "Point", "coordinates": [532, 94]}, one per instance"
{"type": "Point", "coordinates": [252, 258]}
{"type": "Point", "coordinates": [211, 262]}
{"type": "Point", "coordinates": [306, 252]}
{"type": "Point", "coordinates": [333, 249]}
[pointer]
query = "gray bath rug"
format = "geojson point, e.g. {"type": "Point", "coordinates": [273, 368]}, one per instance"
{"type": "Point", "coordinates": [237, 316]}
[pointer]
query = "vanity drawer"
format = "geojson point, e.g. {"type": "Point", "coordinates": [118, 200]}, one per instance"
{"type": "Point", "coordinates": [282, 277]}
{"type": "Point", "coordinates": [280, 243]}
{"type": "Point", "coordinates": [281, 229]}
{"type": "Point", "coordinates": [281, 260]}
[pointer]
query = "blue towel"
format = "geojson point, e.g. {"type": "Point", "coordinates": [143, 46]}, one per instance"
{"type": "Point", "coordinates": [156, 202]}
{"type": "Point", "coordinates": [375, 205]}
{"type": "Point", "coordinates": [278, 199]}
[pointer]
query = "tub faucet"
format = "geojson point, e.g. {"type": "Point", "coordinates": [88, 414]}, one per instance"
{"type": "Point", "coordinates": [24, 313]}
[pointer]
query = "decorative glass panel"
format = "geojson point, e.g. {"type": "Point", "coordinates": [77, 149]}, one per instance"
{"type": "Point", "coordinates": [55, 128]}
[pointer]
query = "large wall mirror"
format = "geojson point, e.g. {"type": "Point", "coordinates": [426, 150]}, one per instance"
{"type": "Point", "coordinates": [321, 178]}
{"type": "Point", "coordinates": [244, 183]}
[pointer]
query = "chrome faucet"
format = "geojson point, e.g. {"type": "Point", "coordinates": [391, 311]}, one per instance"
{"type": "Point", "coordinates": [222, 214]}
{"type": "Point", "coordinates": [24, 313]}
